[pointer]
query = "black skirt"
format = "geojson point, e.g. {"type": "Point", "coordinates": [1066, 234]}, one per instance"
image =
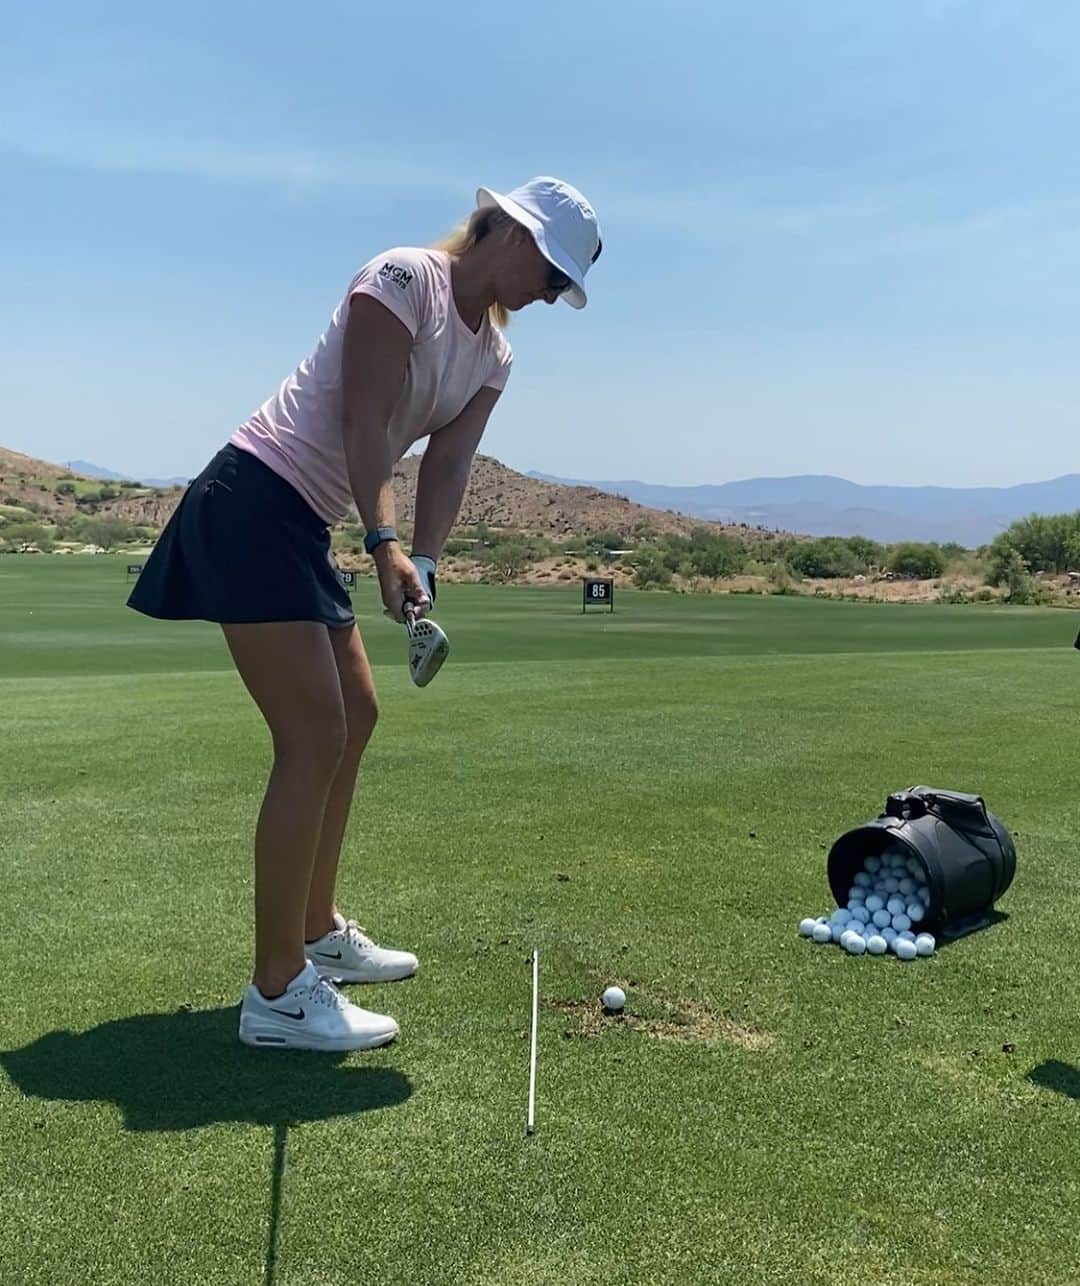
{"type": "Point", "coordinates": [243, 546]}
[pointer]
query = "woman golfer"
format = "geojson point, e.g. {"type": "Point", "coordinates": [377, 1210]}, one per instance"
{"type": "Point", "coordinates": [414, 349]}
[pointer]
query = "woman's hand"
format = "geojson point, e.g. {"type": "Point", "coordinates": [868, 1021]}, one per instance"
{"type": "Point", "coordinates": [398, 581]}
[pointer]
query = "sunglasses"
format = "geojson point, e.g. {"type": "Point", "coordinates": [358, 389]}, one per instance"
{"type": "Point", "coordinates": [558, 281]}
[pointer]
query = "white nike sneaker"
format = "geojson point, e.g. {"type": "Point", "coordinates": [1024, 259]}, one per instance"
{"type": "Point", "coordinates": [347, 954]}
{"type": "Point", "coordinates": [312, 1014]}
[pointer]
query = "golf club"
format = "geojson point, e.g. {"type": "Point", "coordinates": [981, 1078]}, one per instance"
{"type": "Point", "coordinates": [428, 647]}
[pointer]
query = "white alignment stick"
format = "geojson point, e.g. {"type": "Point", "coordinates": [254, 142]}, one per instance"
{"type": "Point", "coordinates": [530, 1124]}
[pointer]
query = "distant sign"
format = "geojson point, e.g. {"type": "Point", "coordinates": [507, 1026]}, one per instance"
{"type": "Point", "coordinates": [598, 593]}
{"type": "Point", "coordinates": [134, 569]}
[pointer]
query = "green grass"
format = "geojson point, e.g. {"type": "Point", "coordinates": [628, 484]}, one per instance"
{"type": "Point", "coordinates": [880, 1133]}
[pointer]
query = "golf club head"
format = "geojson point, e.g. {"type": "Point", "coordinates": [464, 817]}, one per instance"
{"type": "Point", "coordinates": [428, 647]}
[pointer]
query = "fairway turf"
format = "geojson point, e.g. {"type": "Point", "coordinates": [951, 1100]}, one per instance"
{"type": "Point", "coordinates": [587, 785]}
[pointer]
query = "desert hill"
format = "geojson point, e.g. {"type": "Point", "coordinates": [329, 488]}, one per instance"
{"type": "Point", "coordinates": [497, 496]}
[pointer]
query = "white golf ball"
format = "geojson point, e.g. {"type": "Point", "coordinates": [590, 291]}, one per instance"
{"type": "Point", "coordinates": [872, 864]}
{"type": "Point", "coordinates": [923, 893]}
{"type": "Point", "coordinates": [882, 919]}
{"type": "Point", "coordinates": [915, 912]}
{"type": "Point", "coordinates": [862, 879]}
{"type": "Point", "coordinates": [889, 934]}
{"type": "Point", "coordinates": [806, 927]}
{"type": "Point", "coordinates": [925, 944]}
{"type": "Point", "coordinates": [822, 933]}
{"type": "Point", "coordinates": [874, 903]}
{"type": "Point", "coordinates": [895, 904]}
{"type": "Point", "coordinates": [915, 867]}
{"type": "Point", "coordinates": [840, 916]}
{"type": "Point", "coordinates": [876, 945]}
{"type": "Point", "coordinates": [904, 949]}
{"type": "Point", "coordinates": [855, 945]}
{"type": "Point", "coordinates": [613, 998]}
{"type": "Point", "coordinates": [907, 886]}
{"type": "Point", "coordinates": [901, 923]}
{"type": "Point", "coordinates": [856, 895]}
{"type": "Point", "coordinates": [892, 884]}
{"type": "Point", "coordinates": [906, 933]}
{"type": "Point", "coordinates": [838, 931]}
{"type": "Point", "coordinates": [859, 913]}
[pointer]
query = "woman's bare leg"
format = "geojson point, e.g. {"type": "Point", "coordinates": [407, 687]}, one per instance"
{"type": "Point", "coordinates": [361, 713]}
{"type": "Point", "coordinates": [289, 667]}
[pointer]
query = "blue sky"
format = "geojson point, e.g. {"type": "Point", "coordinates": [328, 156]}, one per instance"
{"type": "Point", "coordinates": [839, 237]}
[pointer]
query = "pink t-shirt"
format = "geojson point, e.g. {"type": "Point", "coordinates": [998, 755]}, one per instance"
{"type": "Point", "coordinates": [298, 431]}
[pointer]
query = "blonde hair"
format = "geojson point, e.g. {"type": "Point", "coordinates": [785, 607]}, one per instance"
{"type": "Point", "coordinates": [465, 236]}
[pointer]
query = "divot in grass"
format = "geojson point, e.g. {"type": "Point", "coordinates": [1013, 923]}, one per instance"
{"type": "Point", "coordinates": [679, 1020]}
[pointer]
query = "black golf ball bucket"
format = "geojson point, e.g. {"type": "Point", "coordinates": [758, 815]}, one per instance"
{"type": "Point", "coordinates": [967, 856]}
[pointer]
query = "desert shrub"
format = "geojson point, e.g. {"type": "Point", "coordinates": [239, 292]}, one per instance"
{"type": "Point", "coordinates": [650, 572]}
{"type": "Point", "coordinates": [911, 558]}
{"type": "Point", "coordinates": [1045, 542]}
{"type": "Point", "coordinates": [28, 533]}
{"type": "Point", "coordinates": [509, 558]}
{"type": "Point", "coordinates": [602, 541]}
{"type": "Point", "coordinates": [827, 558]}
{"type": "Point", "coordinates": [105, 531]}
{"type": "Point", "coordinates": [868, 552]}
{"type": "Point", "coordinates": [780, 579]}
{"type": "Point", "coordinates": [1010, 569]}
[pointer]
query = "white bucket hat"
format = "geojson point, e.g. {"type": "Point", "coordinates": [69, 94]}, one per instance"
{"type": "Point", "coordinates": [563, 225]}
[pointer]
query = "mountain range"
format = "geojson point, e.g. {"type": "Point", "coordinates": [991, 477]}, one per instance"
{"type": "Point", "coordinates": [813, 504]}
{"type": "Point", "coordinates": [822, 505]}
{"type": "Point", "coordinates": [89, 470]}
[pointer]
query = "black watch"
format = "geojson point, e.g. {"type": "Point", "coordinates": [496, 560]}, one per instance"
{"type": "Point", "coordinates": [377, 537]}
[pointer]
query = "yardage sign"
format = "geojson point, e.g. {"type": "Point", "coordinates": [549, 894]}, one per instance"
{"type": "Point", "coordinates": [349, 580]}
{"type": "Point", "coordinates": [598, 593]}
{"type": "Point", "coordinates": [133, 569]}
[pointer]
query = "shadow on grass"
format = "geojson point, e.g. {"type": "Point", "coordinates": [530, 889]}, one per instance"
{"type": "Point", "coordinates": [1062, 1078]}
{"type": "Point", "coordinates": [281, 1139]}
{"type": "Point", "coordinates": [957, 932]}
{"type": "Point", "coordinates": [185, 1070]}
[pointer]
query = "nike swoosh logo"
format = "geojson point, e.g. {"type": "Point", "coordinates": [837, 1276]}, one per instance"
{"type": "Point", "coordinates": [327, 956]}
{"type": "Point", "coordinates": [285, 1013]}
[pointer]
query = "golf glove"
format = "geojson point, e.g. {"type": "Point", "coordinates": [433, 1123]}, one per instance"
{"type": "Point", "coordinates": [425, 569]}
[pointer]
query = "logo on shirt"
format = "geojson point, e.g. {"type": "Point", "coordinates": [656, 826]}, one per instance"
{"type": "Point", "coordinates": [399, 276]}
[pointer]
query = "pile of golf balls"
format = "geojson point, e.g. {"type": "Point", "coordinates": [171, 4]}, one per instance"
{"type": "Point", "coordinates": [887, 899]}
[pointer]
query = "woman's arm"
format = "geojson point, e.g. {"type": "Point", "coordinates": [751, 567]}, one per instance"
{"type": "Point", "coordinates": [373, 361]}
{"type": "Point", "coordinates": [444, 473]}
